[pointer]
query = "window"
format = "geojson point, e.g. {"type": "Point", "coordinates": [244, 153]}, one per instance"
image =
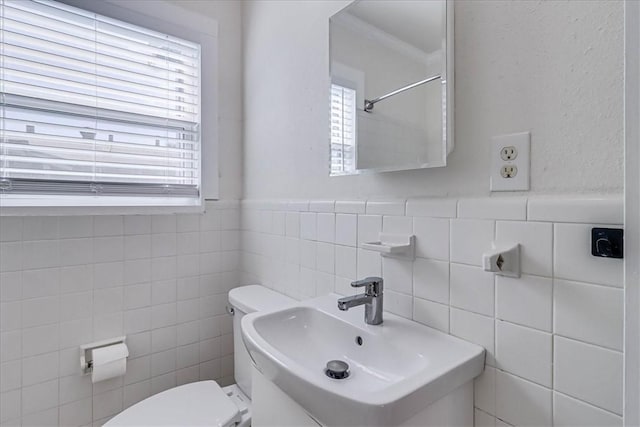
{"type": "Point", "coordinates": [343, 129]}
{"type": "Point", "coordinates": [96, 110]}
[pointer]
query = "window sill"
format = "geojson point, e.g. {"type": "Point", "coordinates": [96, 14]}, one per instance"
{"type": "Point", "coordinates": [69, 206]}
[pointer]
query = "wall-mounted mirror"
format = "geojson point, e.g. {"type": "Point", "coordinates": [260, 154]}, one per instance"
{"type": "Point", "coordinates": [391, 66]}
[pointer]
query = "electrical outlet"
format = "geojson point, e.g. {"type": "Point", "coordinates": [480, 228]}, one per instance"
{"type": "Point", "coordinates": [510, 162]}
{"type": "Point", "coordinates": [508, 153]}
{"type": "Point", "coordinates": [509, 171]}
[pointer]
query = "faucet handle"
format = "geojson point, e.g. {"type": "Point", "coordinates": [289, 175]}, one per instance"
{"type": "Point", "coordinates": [373, 285]}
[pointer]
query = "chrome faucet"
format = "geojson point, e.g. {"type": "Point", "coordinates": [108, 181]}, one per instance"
{"type": "Point", "coordinates": [372, 299]}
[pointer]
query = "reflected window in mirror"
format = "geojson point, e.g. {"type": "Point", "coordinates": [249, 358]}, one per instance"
{"type": "Point", "coordinates": [343, 129]}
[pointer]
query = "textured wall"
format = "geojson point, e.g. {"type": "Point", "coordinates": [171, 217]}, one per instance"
{"type": "Point", "coordinates": [552, 67]}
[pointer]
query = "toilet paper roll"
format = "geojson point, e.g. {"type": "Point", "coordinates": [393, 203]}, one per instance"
{"type": "Point", "coordinates": [109, 362]}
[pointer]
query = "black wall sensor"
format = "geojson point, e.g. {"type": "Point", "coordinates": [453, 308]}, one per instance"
{"type": "Point", "coordinates": [607, 242]}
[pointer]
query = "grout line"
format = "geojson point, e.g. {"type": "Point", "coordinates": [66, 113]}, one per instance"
{"type": "Point", "coordinates": [520, 377]}
{"type": "Point", "coordinates": [599, 346]}
{"type": "Point", "coordinates": [553, 326]}
{"type": "Point", "coordinates": [553, 391]}
{"type": "Point", "coordinates": [450, 221]}
{"type": "Point", "coordinates": [588, 404]}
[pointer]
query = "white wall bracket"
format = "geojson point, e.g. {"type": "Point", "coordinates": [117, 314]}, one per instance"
{"type": "Point", "coordinates": [394, 245]}
{"type": "Point", "coordinates": [504, 261]}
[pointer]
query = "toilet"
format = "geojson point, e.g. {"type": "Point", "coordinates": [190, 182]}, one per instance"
{"type": "Point", "coordinates": [205, 403]}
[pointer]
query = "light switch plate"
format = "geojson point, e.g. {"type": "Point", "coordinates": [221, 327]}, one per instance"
{"type": "Point", "coordinates": [510, 162]}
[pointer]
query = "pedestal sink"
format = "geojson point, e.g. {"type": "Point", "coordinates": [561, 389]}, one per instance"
{"type": "Point", "coordinates": [396, 369]}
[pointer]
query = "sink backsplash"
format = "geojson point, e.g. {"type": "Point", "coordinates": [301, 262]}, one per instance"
{"type": "Point", "coordinates": [543, 332]}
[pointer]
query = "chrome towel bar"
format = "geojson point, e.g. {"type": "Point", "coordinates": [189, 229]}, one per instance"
{"type": "Point", "coordinates": [368, 104]}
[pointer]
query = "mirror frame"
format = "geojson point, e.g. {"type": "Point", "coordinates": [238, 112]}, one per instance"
{"type": "Point", "coordinates": [448, 79]}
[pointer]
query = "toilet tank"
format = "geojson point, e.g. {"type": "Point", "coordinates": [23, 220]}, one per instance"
{"type": "Point", "coordinates": [247, 299]}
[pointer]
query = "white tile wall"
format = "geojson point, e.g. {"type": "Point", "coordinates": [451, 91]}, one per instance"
{"type": "Point", "coordinates": [431, 314]}
{"type": "Point", "coordinates": [434, 208]}
{"type": "Point", "coordinates": [571, 412]}
{"type": "Point", "coordinates": [161, 280]}
{"type": "Point", "coordinates": [386, 207]}
{"type": "Point", "coordinates": [308, 229]}
{"type": "Point", "coordinates": [398, 274]}
{"type": "Point", "coordinates": [470, 238]}
{"type": "Point", "coordinates": [544, 333]}
{"type": "Point", "coordinates": [589, 373]}
{"type": "Point", "coordinates": [590, 313]}
{"type": "Point", "coordinates": [524, 352]}
{"type": "Point", "coordinates": [482, 419]}
{"type": "Point", "coordinates": [350, 206]}
{"type": "Point", "coordinates": [326, 224]}
{"type": "Point", "coordinates": [346, 232]}
{"type": "Point", "coordinates": [475, 328]}
{"type": "Point", "coordinates": [514, 208]}
{"type": "Point", "coordinates": [397, 224]}
{"type": "Point", "coordinates": [535, 238]}
{"type": "Point", "coordinates": [485, 390]}
{"type": "Point", "coordinates": [472, 289]}
{"type": "Point", "coordinates": [581, 209]}
{"type": "Point", "coordinates": [525, 301]}
{"type": "Point", "coordinates": [427, 231]}
{"type": "Point", "coordinates": [573, 259]}
{"type": "Point", "coordinates": [369, 228]}
{"type": "Point", "coordinates": [431, 280]}
{"type": "Point", "coordinates": [522, 403]}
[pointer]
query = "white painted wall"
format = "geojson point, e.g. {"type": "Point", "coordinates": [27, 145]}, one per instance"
{"type": "Point", "coordinates": [554, 68]}
{"type": "Point", "coordinates": [632, 214]}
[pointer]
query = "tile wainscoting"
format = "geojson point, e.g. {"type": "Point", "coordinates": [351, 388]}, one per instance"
{"type": "Point", "coordinates": [161, 280]}
{"type": "Point", "coordinates": [553, 336]}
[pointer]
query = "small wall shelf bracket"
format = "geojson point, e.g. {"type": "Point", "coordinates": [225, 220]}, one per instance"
{"type": "Point", "coordinates": [394, 245]}
{"type": "Point", "coordinates": [504, 260]}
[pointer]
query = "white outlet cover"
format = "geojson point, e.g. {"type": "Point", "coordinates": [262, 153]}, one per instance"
{"type": "Point", "coordinates": [522, 142]}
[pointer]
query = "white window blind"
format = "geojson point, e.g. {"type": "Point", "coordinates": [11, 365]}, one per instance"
{"type": "Point", "coordinates": [343, 131]}
{"type": "Point", "coordinates": [95, 106]}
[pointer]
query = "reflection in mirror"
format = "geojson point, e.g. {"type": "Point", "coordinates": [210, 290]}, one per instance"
{"type": "Point", "coordinates": [389, 90]}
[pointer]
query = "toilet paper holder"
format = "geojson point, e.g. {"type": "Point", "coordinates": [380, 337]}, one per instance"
{"type": "Point", "coordinates": [86, 352]}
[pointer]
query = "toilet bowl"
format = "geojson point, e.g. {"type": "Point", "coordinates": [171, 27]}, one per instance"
{"type": "Point", "coordinates": [205, 403]}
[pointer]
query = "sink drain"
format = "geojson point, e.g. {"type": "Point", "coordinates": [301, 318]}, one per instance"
{"type": "Point", "coordinates": [337, 369]}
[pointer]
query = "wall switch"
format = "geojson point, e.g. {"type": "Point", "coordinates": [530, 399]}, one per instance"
{"type": "Point", "coordinates": [510, 162]}
{"type": "Point", "coordinates": [607, 242]}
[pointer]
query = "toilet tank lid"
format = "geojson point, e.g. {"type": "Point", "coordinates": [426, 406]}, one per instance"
{"type": "Point", "coordinates": [202, 403]}
{"type": "Point", "coordinates": [257, 298]}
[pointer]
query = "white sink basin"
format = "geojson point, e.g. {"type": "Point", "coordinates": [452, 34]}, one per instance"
{"type": "Point", "coordinates": [400, 368]}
